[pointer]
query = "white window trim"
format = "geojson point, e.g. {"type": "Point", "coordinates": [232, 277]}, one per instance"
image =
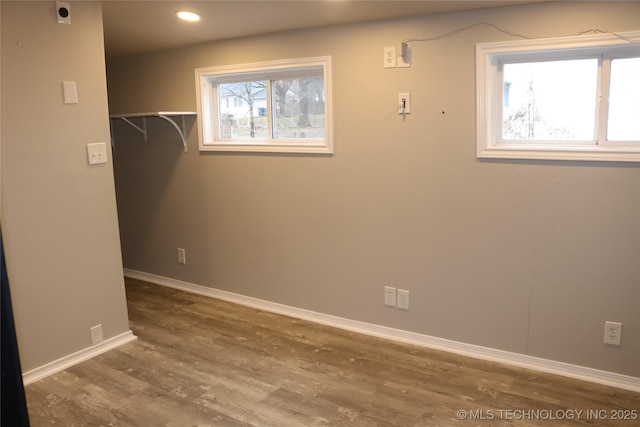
{"type": "Point", "coordinates": [489, 97]}
{"type": "Point", "coordinates": [206, 79]}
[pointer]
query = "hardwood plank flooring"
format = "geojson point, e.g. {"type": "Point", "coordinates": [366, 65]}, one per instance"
{"type": "Point", "coordinates": [204, 362]}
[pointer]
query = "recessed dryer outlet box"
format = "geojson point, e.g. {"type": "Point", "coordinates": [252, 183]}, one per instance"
{"type": "Point", "coordinates": [404, 103]}
{"type": "Point", "coordinates": [404, 59]}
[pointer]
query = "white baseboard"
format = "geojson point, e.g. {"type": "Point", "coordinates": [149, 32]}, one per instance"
{"type": "Point", "coordinates": [77, 357]}
{"type": "Point", "coordinates": [485, 353]}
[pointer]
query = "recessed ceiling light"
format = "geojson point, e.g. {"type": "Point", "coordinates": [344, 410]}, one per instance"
{"type": "Point", "coordinates": [187, 16]}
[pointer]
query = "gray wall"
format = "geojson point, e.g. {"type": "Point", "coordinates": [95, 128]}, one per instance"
{"type": "Point", "coordinates": [59, 216]}
{"type": "Point", "coordinates": [526, 256]}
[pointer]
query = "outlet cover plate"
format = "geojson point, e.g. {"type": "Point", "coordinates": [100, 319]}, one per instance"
{"type": "Point", "coordinates": [182, 256]}
{"type": "Point", "coordinates": [390, 296]}
{"type": "Point", "coordinates": [390, 57]}
{"type": "Point", "coordinates": [403, 299]}
{"type": "Point", "coordinates": [612, 333]}
{"type": "Point", "coordinates": [96, 334]}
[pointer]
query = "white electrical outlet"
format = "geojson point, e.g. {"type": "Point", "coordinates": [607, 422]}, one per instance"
{"type": "Point", "coordinates": [96, 334]}
{"type": "Point", "coordinates": [182, 256]}
{"type": "Point", "coordinates": [612, 333]}
{"type": "Point", "coordinates": [403, 299]}
{"type": "Point", "coordinates": [390, 296]}
{"type": "Point", "coordinates": [390, 57]}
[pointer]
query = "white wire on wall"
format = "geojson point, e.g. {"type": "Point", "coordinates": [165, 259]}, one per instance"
{"type": "Point", "coordinates": [523, 36]}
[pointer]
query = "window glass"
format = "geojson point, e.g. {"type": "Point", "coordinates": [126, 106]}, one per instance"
{"type": "Point", "coordinates": [550, 100]}
{"type": "Point", "coordinates": [624, 100]}
{"type": "Point", "coordinates": [299, 108]}
{"type": "Point", "coordinates": [243, 110]}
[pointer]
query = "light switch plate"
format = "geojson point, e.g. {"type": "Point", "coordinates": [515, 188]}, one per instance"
{"type": "Point", "coordinates": [97, 153]}
{"type": "Point", "coordinates": [70, 92]}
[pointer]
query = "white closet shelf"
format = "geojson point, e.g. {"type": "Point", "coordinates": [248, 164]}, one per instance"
{"type": "Point", "coordinates": [165, 115]}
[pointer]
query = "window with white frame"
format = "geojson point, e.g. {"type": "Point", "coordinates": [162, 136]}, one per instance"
{"type": "Point", "coordinates": [278, 106]}
{"type": "Point", "coordinates": [570, 98]}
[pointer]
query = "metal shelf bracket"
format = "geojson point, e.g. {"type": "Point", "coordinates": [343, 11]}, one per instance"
{"type": "Point", "coordinates": [182, 132]}
{"type": "Point", "coordinates": [142, 129]}
{"type": "Point", "coordinates": [164, 115]}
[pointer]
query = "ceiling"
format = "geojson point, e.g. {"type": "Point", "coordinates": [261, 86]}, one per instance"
{"type": "Point", "coordinates": [134, 26]}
